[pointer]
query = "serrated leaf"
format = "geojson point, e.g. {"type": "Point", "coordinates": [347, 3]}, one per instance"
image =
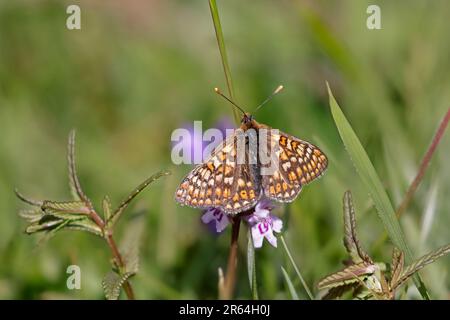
{"type": "Point", "coordinates": [420, 263]}
{"type": "Point", "coordinates": [43, 226]}
{"type": "Point", "coordinates": [85, 225]}
{"type": "Point", "coordinates": [373, 184]}
{"type": "Point", "coordinates": [112, 283]}
{"type": "Point", "coordinates": [71, 207]}
{"type": "Point", "coordinates": [74, 183]}
{"type": "Point", "coordinates": [337, 292]}
{"type": "Point", "coordinates": [351, 241]}
{"type": "Point", "coordinates": [398, 260]}
{"type": "Point", "coordinates": [124, 204]}
{"type": "Point", "coordinates": [290, 285]}
{"type": "Point", "coordinates": [32, 216]}
{"type": "Point", "coordinates": [130, 245]}
{"type": "Point", "coordinates": [251, 266]}
{"type": "Point", "coordinates": [347, 275]}
{"type": "Point", "coordinates": [33, 202]}
{"type": "Point", "coordinates": [107, 211]}
{"type": "Point", "coordinates": [51, 232]}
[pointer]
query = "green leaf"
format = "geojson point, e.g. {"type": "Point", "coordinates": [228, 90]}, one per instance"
{"type": "Point", "coordinates": [44, 225]}
{"type": "Point", "coordinates": [223, 53]}
{"type": "Point", "coordinates": [32, 216]}
{"type": "Point", "coordinates": [420, 263]}
{"type": "Point", "coordinates": [347, 275]}
{"type": "Point", "coordinates": [351, 241]}
{"type": "Point", "coordinates": [130, 245]}
{"type": "Point", "coordinates": [107, 211]}
{"type": "Point", "coordinates": [290, 285]}
{"type": "Point", "coordinates": [36, 203]}
{"type": "Point", "coordinates": [337, 292]}
{"type": "Point", "coordinates": [398, 260]}
{"type": "Point", "coordinates": [251, 266]}
{"type": "Point", "coordinates": [74, 183]}
{"type": "Point", "coordinates": [112, 283]}
{"type": "Point", "coordinates": [72, 207]}
{"type": "Point", "coordinates": [85, 224]}
{"type": "Point", "coordinates": [51, 231]}
{"type": "Point", "coordinates": [296, 268]}
{"type": "Point", "coordinates": [124, 204]}
{"type": "Point", "coordinates": [373, 184]}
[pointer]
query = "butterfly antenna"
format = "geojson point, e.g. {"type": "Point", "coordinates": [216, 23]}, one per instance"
{"type": "Point", "coordinates": [277, 90]}
{"type": "Point", "coordinates": [217, 90]}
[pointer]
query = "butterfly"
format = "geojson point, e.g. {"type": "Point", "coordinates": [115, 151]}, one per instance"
{"type": "Point", "coordinates": [234, 180]}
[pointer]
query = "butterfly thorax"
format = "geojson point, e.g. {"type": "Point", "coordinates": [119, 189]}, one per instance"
{"type": "Point", "coordinates": [248, 122]}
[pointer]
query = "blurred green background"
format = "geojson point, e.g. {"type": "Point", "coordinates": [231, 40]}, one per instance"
{"type": "Point", "coordinates": [139, 69]}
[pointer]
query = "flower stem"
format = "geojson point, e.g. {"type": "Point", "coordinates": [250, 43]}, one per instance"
{"type": "Point", "coordinates": [296, 269]}
{"type": "Point", "coordinates": [230, 278]}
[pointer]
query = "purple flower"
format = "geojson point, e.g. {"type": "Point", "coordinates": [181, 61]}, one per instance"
{"type": "Point", "coordinates": [263, 224]}
{"type": "Point", "coordinates": [195, 144]}
{"type": "Point", "coordinates": [217, 218]}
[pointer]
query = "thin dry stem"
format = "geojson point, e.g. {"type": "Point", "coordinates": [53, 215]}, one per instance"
{"type": "Point", "coordinates": [226, 292]}
{"type": "Point", "coordinates": [424, 164]}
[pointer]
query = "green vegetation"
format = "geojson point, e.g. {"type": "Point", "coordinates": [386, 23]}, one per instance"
{"type": "Point", "coordinates": [135, 72]}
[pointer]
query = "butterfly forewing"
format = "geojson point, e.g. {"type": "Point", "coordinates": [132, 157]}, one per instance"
{"type": "Point", "coordinates": [221, 181]}
{"type": "Point", "coordinates": [299, 163]}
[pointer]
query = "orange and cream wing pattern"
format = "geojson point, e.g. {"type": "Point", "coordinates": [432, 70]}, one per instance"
{"type": "Point", "coordinates": [221, 182]}
{"type": "Point", "coordinates": [299, 163]}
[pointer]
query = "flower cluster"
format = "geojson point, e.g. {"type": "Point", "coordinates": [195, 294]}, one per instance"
{"type": "Point", "coordinates": [262, 223]}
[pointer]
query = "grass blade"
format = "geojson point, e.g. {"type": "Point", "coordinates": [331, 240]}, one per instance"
{"type": "Point", "coordinates": [223, 53]}
{"type": "Point", "coordinates": [373, 185]}
{"type": "Point", "coordinates": [290, 285]}
{"type": "Point", "coordinates": [296, 269]}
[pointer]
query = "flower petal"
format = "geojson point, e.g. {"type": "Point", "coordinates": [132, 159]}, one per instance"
{"type": "Point", "coordinates": [222, 222]}
{"type": "Point", "coordinates": [277, 224]}
{"type": "Point", "coordinates": [257, 237]}
{"type": "Point", "coordinates": [208, 216]}
{"type": "Point", "coordinates": [262, 213]}
{"type": "Point", "coordinates": [217, 218]}
{"type": "Point", "coordinates": [271, 238]}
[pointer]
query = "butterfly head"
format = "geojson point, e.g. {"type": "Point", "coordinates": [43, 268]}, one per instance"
{"type": "Point", "coordinates": [247, 118]}
{"type": "Point", "coordinates": [247, 121]}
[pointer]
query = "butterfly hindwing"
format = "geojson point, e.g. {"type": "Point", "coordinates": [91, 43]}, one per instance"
{"type": "Point", "coordinates": [298, 163]}
{"type": "Point", "coordinates": [221, 182]}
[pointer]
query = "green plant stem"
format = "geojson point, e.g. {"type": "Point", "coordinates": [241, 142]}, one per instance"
{"type": "Point", "coordinates": [223, 53]}
{"type": "Point", "coordinates": [296, 269]}
{"type": "Point", "coordinates": [119, 260]}
{"type": "Point", "coordinates": [230, 277]}
{"type": "Point", "coordinates": [107, 233]}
